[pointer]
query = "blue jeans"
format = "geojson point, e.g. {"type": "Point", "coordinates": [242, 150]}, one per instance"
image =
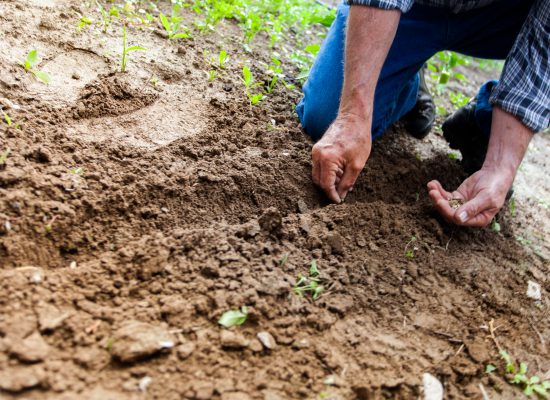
{"type": "Point", "coordinates": [487, 32]}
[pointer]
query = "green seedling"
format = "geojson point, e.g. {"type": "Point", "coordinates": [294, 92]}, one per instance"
{"type": "Point", "coordinates": [495, 226]}
{"type": "Point", "coordinates": [4, 156]}
{"type": "Point", "coordinates": [248, 78]}
{"type": "Point", "coordinates": [107, 16]}
{"type": "Point", "coordinates": [30, 63]}
{"type": "Point", "coordinates": [489, 368]}
{"type": "Point", "coordinates": [283, 260]}
{"type": "Point", "coordinates": [411, 248]}
{"type": "Point", "coordinates": [222, 59]}
{"type": "Point", "coordinates": [255, 98]}
{"type": "Point", "coordinates": [77, 171]}
{"type": "Point", "coordinates": [173, 26]}
{"type": "Point", "coordinates": [10, 122]}
{"type": "Point", "coordinates": [49, 226]}
{"type": "Point", "coordinates": [530, 385]}
{"type": "Point", "coordinates": [453, 156]}
{"type": "Point", "coordinates": [513, 207]}
{"type": "Point", "coordinates": [109, 343]}
{"type": "Point", "coordinates": [126, 50]}
{"type": "Point", "coordinates": [211, 75]}
{"type": "Point", "coordinates": [234, 317]}
{"type": "Point", "coordinates": [154, 80]}
{"type": "Point", "coordinates": [83, 22]}
{"type": "Point", "coordinates": [8, 119]}
{"type": "Point", "coordinates": [311, 283]}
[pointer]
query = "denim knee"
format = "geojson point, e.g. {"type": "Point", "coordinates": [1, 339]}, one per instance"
{"type": "Point", "coordinates": [315, 119]}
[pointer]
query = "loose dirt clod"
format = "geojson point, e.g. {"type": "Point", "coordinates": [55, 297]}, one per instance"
{"type": "Point", "coordinates": [136, 340]}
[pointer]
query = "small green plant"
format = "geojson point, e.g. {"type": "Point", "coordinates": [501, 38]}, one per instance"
{"type": "Point", "coordinates": [222, 59]}
{"type": "Point", "coordinates": [234, 317]}
{"type": "Point", "coordinates": [4, 156]}
{"type": "Point", "coordinates": [31, 62]}
{"type": "Point", "coordinates": [311, 283]}
{"type": "Point", "coordinates": [211, 75]}
{"type": "Point", "coordinates": [107, 16]}
{"type": "Point", "coordinates": [126, 50]}
{"type": "Point", "coordinates": [255, 98]}
{"type": "Point", "coordinates": [173, 26]}
{"type": "Point", "coordinates": [83, 23]}
{"type": "Point", "coordinates": [410, 247]}
{"type": "Point", "coordinates": [453, 155]}
{"type": "Point", "coordinates": [531, 385]}
{"type": "Point", "coordinates": [8, 119]}
{"type": "Point", "coordinates": [248, 78]}
{"type": "Point", "coordinates": [495, 226]}
{"type": "Point", "coordinates": [513, 207]}
{"type": "Point", "coordinates": [283, 260]}
{"type": "Point", "coordinates": [77, 171]}
{"type": "Point", "coordinates": [10, 122]}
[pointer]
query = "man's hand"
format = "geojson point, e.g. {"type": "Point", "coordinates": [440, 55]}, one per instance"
{"type": "Point", "coordinates": [340, 155]}
{"type": "Point", "coordinates": [482, 195]}
{"type": "Point", "coordinates": [484, 192]}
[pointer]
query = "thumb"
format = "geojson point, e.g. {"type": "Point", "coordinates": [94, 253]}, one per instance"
{"type": "Point", "coordinates": [472, 212]}
{"type": "Point", "coordinates": [348, 180]}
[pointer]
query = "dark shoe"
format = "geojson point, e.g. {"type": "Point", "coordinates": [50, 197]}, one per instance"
{"type": "Point", "coordinates": [419, 121]}
{"type": "Point", "coordinates": [463, 133]}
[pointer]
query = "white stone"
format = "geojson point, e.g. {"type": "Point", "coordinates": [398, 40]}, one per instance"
{"type": "Point", "coordinates": [433, 389]}
{"type": "Point", "coordinates": [533, 290]}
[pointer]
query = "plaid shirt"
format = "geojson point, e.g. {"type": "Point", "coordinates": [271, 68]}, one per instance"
{"type": "Point", "coordinates": [524, 86]}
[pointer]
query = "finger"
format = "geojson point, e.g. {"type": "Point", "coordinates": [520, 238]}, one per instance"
{"type": "Point", "coordinates": [351, 173]}
{"type": "Point", "coordinates": [435, 185]}
{"type": "Point", "coordinates": [328, 181]}
{"type": "Point", "coordinates": [315, 171]}
{"type": "Point", "coordinates": [479, 211]}
{"type": "Point", "coordinates": [442, 205]}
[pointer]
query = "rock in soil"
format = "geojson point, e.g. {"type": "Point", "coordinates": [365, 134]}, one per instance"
{"type": "Point", "coordinates": [185, 350]}
{"type": "Point", "coordinates": [31, 349]}
{"type": "Point", "coordinates": [20, 378]}
{"type": "Point", "coordinates": [233, 341]}
{"type": "Point", "coordinates": [136, 340]}
{"type": "Point", "coordinates": [50, 318]}
{"type": "Point", "coordinates": [267, 340]}
{"type": "Point", "coordinates": [236, 396]}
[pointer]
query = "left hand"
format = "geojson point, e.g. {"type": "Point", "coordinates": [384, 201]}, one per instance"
{"type": "Point", "coordinates": [483, 194]}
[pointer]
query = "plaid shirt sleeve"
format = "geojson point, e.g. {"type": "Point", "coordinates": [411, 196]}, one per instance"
{"type": "Point", "coordinates": [403, 5]}
{"type": "Point", "coordinates": [524, 87]}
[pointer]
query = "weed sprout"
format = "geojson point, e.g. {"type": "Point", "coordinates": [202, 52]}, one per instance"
{"type": "Point", "coordinates": [30, 62]}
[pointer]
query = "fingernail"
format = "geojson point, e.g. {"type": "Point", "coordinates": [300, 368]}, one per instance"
{"type": "Point", "coordinates": [463, 216]}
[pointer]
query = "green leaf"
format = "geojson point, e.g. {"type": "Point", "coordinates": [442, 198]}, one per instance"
{"type": "Point", "coordinates": [489, 368]}
{"type": "Point", "coordinates": [181, 36]}
{"type": "Point", "coordinates": [313, 269]}
{"type": "Point", "coordinates": [43, 76]}
{"type": "Point", "coordinates": [32, 59]}
{"type": "Point", "coordinates": [8, 119]}
{"type": "Point", "coordinates": [165, 23]}
{"type": "Point", "coordinates": [135, 48]}
{"type": "Point", "coordinates": [247, 75]}
{"type": "Point", "coordinates": [233, 317]}
{"type": "Point", "coordinates": [313, 49]}
{"type": "Point", "coordinates": [444, 77]}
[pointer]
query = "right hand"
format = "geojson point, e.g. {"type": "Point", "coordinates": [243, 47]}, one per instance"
{"type": "Point", "coordinates": [340, 155]}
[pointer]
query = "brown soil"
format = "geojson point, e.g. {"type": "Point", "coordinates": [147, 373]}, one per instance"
{"type": "Point", "coordinates": [113, 277]}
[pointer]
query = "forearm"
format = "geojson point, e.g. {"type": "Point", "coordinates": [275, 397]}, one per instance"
{"type": "Point", "coordinates": [508, 143]}
{"type": "Point", "coordinates": [370, 33]}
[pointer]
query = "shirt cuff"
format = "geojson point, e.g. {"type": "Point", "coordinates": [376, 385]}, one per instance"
{"type": "Point", "coordinates": [403, 5]}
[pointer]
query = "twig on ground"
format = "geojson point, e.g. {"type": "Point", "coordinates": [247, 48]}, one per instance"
{"type": "Point", "coordinates": [483, 392]}
{"type": "Point", "coordinates": [542, 341]}
{"type": "Point", "coordinates": [492, 330]}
